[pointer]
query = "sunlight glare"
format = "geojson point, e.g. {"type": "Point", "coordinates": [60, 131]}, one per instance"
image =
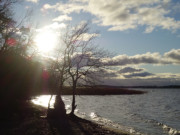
{"type": "Point", "coordinates": [46, 40]}
{"type": "Point", "coordinates": [43, 100]}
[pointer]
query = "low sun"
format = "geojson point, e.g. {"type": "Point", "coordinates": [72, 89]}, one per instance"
{"type": "Point", "coordinates": [46, 41]}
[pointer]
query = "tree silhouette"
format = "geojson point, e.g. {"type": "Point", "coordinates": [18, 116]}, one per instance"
{"type": "Point", "coordinates": [6, 14]}
{"type": "Point", "coordinates": [81, 58]}
{"type": "Point", "coordinates": [20, 78]}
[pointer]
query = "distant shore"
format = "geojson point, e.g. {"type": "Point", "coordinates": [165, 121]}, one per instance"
{"type": "Point", "coordinates": [110, 90]}
{"type": "Point", "coordinates": [32, 121]}
{"type": "Point", "coordinates": [146, 86]}
{"type": "Point", "coordinates": [101, 91]}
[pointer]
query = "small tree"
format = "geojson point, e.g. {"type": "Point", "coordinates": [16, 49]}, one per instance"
{"type": "Point", "coordinates": [78, 61]}
{"type": "Point", "coordinates": [83, 58]}
{"type": "Point", "coordinates": [58, 75]}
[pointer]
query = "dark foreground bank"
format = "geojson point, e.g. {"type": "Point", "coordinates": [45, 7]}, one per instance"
{"type": "Point", "coordinates": [31, 120]}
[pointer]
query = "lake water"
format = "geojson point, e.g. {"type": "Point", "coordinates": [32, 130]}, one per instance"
{"type": "Point", "coordinates": [154, 113]}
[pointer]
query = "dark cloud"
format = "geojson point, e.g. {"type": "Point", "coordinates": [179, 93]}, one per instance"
{"type": "Point", "coordinates": [142, 74]}
{"type": "Point", "coordinates": [108, 73]}
{"type": "Point", "coordinates": [111, 74]}
{"type": "Point", "coordinates": [147, 58]}
{"type": "Point", "coordinates": [129, 70]}
{"type": "Point", "coordinates": [173, 54]}
{"type": "Point", "coordinates": [171, 57]}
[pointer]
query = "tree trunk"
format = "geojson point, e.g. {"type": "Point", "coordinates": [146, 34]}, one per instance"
{"type": "Point", "coordinates": [73, 99]}
{"type": "Point", "coordinates": [49, 103]}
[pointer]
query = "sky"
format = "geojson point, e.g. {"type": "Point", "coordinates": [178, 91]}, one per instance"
{"type": "Point", "coordinates": [143, 35]}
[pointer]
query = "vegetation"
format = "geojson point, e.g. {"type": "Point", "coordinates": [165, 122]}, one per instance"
{"type": "Point", "coordinates": [20, 78]}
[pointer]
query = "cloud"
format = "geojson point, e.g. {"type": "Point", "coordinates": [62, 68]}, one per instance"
{"type": "Point", "coordinates": [88, 36]}
{"type": "Point", "coordinates": [176, 7]}
{"type": "Point", "coordinates": [122, 15]}
{"type": "Point", "coordinates": [130, 70]}
{"type": "Point", "coordinates": [46, 7]}
{"type": "Point", "coordinates": [147, 58]}
{"type": "Point", "coordinates": [54, 26]}
{"type": "Point", "coordinates": [65, 8]}
{"type": "Point", "coordinates": [173, 55]}
{"type": "Point", "coordinates": [109, 73]}
{"type": "Point", "coordinates": [34, 1]}
{"type": "Point", "coordinates": [62, 18]}
{"type": "Point", "coordinates": [142, 82]}
{"type": "Point", "coordinates": [143, 74]}
{"type": "Point", "coordinates": [85, 36]}
{"type": "Point", "coordinates": [152, 80]}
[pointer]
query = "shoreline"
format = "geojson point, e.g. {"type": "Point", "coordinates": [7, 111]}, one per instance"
{"type": "Point", "coordinates": [102, 91]}
{"type": "Point", "coordinates": [32, 120]}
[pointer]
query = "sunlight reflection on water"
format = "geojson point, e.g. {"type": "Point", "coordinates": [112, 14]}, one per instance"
{"type": "Point", "coordinates": [43, 100]}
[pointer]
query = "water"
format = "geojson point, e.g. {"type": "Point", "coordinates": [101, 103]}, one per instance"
{"type": "Point", "coordinates": [154, 113]}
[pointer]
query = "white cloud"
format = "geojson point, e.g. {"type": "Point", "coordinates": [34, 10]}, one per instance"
{"type": "Point", "coordinates": [34, 1]}
{"type": "Point", "coordinates": [122, 15]}
{"type": "Point", "coordinates": [46, 6]}
{"type": "Point", "coordinates": [52, 27]}
{"type": "Point", "coordinates": [56, 26]}
{"type": "Point", "coordinates": [66, 8]}
{"type": "Point", "coordinates": [85, 36]}
{"type": "Point", "coordinates": [149, 29]}
{"type": "Point", "coordinates": [62, 18]}
{"type": "Point", "coordinates": [88, 36]}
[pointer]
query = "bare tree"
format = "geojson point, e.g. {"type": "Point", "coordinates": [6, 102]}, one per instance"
{"type": "Point", "coordinates": [77, 62]}
{"type": "Point", "coordinates": [83, 58]}
{"type": "Point", "coordinates": [58, 75]}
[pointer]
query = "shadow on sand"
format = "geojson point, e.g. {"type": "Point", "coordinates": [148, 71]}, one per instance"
{"type": "Point", "coordinates": [71, 126]}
